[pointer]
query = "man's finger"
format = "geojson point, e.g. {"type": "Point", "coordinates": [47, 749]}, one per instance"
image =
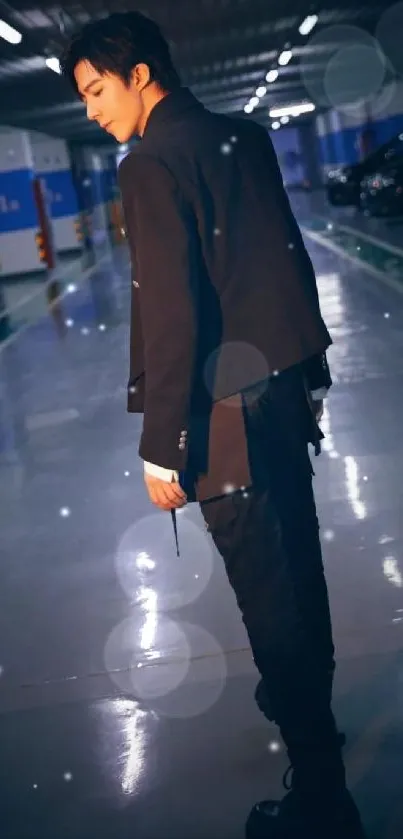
{"type": "Point", "coordinates": [162, 495]}
{"type": "Point", "coordinates": [178, 491]}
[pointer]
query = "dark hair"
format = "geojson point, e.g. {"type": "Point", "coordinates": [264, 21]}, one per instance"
{"type": "Point", "coordinates": [116, 44]}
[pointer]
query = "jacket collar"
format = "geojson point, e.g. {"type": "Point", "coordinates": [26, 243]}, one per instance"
{"type": "Point", "coordinates": [172, 106]}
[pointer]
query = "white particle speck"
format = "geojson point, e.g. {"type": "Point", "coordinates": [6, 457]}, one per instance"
{"type": "Point", "coordinates": [127, 474]}
{"type": "Point", "coordinates": [35, 786]}
{"type": "Point", "coordinates": [139, 666]}
{"type": "Point", "coordinates": [196, 576]}
{"type": "Point", "coordinates": [334, 455]}
{"type": "Point", "coordinates": [69, 322]}
{"type": "Point", "coordinates": [386, 315]}
{"type": "Point", "coordinates": [275, 372]}
{"type": "Point", "coordinates": [358, 247]}
{"type": "Point", "coordinates": [65, 512]}
{"type": "Point", "coordinates": [330, 226]}
{"type": "Point", "coordinates": [132, 389]}
{"type": "Point", "coordinates": [274, 746]}
{"type": "Point", "coordinates": [226, 148]}
{"type": "Point", "coordinates": [365, 478]}
{"type": "Point", "coordinates": [71, 288]}
{"type": "Point", "coordinates": [85, 330]}
{"type": "Point", "coordinates": [1, 670]}
{"type": "Point", "coordinates": [217, 231]}
{"type": "Point", "coordinates": [228, 488]}
{"type": "Point", "coordinates": [245, 494]}
{"type": "Point", "coordinates": [234, 139]}
{"type": "Point", "coordinates": [328, 535]}
{"type": "Point", "coordinates": [68, 776]}
{"type": "Point", "coordinates": [102, 327]}
{"type": "Point", "coordinates": [291, 246]}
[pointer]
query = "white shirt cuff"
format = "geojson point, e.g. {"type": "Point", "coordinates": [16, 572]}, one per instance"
{"type": "Point", "coordinates": [160, 472]}
{"type": "Point", "coordinates": [319, 394]}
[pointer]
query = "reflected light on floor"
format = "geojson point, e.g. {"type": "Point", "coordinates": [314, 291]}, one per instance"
{"type": "Point", "coordinates": [149, 601]}
{"type": "Point", "coordinates": [392, 572]}
{"type": "Point", "coordinates": [353, 488]}
{"type": "Point", "coordinates": [328, 443]}
{"type": "Point", "coordinates": [134, 729]}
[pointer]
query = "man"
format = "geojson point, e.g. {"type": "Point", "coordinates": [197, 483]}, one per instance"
{"type": "Point", "coordinates": [227, 345]}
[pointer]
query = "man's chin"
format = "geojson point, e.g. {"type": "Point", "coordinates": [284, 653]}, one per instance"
{"type": "Point", "coordinates": [120, 136]}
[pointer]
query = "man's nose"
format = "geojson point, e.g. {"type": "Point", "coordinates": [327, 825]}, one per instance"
{"type": "Point", "coordinates": [92, 111]}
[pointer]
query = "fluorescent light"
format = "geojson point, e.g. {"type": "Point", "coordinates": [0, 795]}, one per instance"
{"type": "Point", "coordinates": [293, 110]}
{"type": "Point", "coordinates": [285, 57]}
{"type": "Point", "coordinates": [261, 91]}
{"type": "Point", "coordinates": [272, 76]}
{"type": "Point", "coordinates": [254, 101]}
{"type": "Point", "coordinates": [248, 108]}
{"type": "Point", "coordinates": [308, 24]}
{"type": "Point", "coordinates": [53, 64]}
{"type": "Point", "coordinates": [9, 33]}
{"type": "Point", "coordinates": [275, 126]}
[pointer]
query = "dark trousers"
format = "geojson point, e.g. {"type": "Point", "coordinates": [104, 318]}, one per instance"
{"type": "Point", "coordinates": [268, 537]}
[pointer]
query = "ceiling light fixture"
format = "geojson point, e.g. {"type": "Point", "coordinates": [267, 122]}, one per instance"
{"type": "Point", "coordinates": [9, 33]}
{"type": "Point", "coordinates": [261, 91]}
{"type": "Point", "coordinates": [53, 64]}
{"type": "Point", "coordinates": [272, 76]}
{"type": "Point", "coordinates": [308, 24]}
{"type": "Point", "coordinates": [275, 126]}
{"type": "Point", "coordinates": [293, 110]}
{"type": "Point", "coordinates": [248, 108]}
{"type": "Point", "coordinates": [254, 101]}
{"type": "Point", "coordinates": [285, 57]}
{"type": "Point", "coordinates": [284, 120]}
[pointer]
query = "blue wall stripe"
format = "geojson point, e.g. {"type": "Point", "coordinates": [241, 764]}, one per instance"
{"type": "Point", "coordinates": [341, 147]}
{"type": "Point", "coordinates": [17, 205]}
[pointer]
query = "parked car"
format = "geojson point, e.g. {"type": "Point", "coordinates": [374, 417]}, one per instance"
{"type": "Point", "coordinates": [382, 192]}
{"type": "Point", "coordinates": [343, 187]}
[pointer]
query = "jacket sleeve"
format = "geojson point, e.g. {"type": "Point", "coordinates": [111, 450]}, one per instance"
{"type": "Point", "coordinates": [164, 242]}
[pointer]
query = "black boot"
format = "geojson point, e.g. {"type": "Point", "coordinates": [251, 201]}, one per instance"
{"type": "Point", "coordinates": [304, 815]}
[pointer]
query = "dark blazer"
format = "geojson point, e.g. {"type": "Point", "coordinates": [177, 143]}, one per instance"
{"type": "Point", "coordinates": [224, 293]}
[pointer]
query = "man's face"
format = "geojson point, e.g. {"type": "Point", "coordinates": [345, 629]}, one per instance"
{"type": "Point", "coordinates": [116, 107]}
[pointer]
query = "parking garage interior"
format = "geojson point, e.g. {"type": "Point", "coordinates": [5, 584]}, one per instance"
{"type": "Point", "coordinates": [94, 743]}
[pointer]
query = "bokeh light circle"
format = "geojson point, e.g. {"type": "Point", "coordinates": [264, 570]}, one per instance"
{"type": "Point", "coordinates": [353, 74]}
{"type": "Point", "coordinates": [319, 52]}
{"type": "Point", "coordinates": [177, 669]}
{"type": "Point", "coordinates": [147, 655]}
{"type": "Point", "coordinates": [389, 33]}
{"type": "Point", "coordinates": [146, 560]}
{"type": "Point", "coordinates": [228, 369]}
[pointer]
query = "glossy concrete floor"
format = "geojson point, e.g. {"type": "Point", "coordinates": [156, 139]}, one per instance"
{"type": "Point", "coordinates": [126, 682]}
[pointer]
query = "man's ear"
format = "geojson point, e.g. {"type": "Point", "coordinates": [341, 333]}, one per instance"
{"type": "Point", "coordinates": [141, 76]}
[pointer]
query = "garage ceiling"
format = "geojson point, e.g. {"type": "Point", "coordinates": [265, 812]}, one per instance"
{"type": "Point", "coordinates": [223, 49]}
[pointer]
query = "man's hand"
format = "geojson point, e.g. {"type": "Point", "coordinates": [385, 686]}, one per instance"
{"type": "Point", "coordinates": [166, 496]}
